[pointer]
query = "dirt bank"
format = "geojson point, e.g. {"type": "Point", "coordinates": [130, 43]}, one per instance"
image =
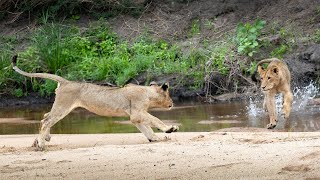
{"type": "Point", "coordinates": [197, 155]}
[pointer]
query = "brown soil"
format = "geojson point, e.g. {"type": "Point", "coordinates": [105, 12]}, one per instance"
{"type": "Point", "coordinates": [172, 20]}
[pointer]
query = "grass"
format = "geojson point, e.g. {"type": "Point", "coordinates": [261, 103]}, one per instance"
{"type": "Point", "coordinates": [195, 28]}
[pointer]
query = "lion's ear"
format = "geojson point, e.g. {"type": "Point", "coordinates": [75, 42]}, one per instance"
{"type": "Point", "coordinates": [275, 70]}
{"type": "Point", "coordinates": [165, 86]}
{"type": "Point", "coordinates": [260, 70]}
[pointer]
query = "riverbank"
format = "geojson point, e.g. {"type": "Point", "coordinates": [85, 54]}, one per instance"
{"type": "Point", "coordinates": [248, 153]}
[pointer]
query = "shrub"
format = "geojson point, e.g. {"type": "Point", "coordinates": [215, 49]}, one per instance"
{"type": "Point", "coordinates": [280, 51]}
{"type": "Point", "coordinates": [247, 37]}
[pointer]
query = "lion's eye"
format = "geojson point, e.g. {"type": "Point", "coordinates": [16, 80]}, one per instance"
{"type": "Point", "coordinates": [269, 77]}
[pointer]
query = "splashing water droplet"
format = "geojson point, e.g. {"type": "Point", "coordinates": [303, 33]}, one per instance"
{"type": "Point", "coordinates": [252, 108]}
{"type": "Point", "coordinates": [300, 100]}
{"type": "Point", "coordinates": [303, 95]}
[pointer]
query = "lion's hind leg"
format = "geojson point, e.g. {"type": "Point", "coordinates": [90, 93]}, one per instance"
{"type": "Point", "coordinates": [57, 112]}
{"type": "Point", "coordinates": [45, 118]}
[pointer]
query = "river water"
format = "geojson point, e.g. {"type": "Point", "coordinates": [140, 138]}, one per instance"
{"type": "Point", "coordinates": [190, 116]}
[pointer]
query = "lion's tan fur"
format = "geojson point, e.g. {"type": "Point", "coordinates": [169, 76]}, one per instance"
{"type": "Point", "coordinates": [275, 79]}
{"type": "Point", "coordinates": [132, 100]}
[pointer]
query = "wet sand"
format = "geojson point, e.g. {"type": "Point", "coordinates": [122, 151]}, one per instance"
{"type": "Point", "coordinates": [235, 154]}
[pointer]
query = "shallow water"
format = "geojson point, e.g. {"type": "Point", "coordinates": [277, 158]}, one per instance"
{"type": "Point", "coordinates": [190, 116]}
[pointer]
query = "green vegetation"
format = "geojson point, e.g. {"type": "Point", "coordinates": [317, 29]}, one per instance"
{"type": "Point", "coordinates": [195, 28]}
{"type": "Point", "coordinates": [219, 55]}
{"type": "Point", "coordinates": [94, 55]}
{"type": "Point", "coordinates": [280, 51]}
{"type": "Point", "coordinates": [247, 37]}
{"type": "Point", "coordinates": [97, 54]}
{"type": "Point", "coordinates": [18, 92]}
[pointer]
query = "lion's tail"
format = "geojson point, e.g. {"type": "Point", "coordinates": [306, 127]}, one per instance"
{"type": "Point", "coordinates": [39, 75]}
{"type": "Point", "coordinates": [253, 76]}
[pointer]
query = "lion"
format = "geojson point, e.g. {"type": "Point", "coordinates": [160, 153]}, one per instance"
{"type": "Point", "coordinates": [275, 79]}
{"type": "Point", "coordinates": [131, 100]}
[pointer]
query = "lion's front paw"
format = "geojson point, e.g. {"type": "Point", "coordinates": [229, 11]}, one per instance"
{"type": "Point", "coordinates": [271, 126]}
{"type": "Point", "coordinates": [172, 129]}
{"type": "Point", "coordinates": [154, 139]}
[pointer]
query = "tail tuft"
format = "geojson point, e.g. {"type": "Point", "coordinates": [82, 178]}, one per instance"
{"type": "Point", "coordinates": [14, 60]}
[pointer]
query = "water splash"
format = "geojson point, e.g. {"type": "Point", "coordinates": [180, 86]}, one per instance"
{"type": "Point", "coordinates": [253, 108]}
{"type": "Point", "coordinates": [303, 95]}
{"type": "Point", "coordinates": [300, 100]}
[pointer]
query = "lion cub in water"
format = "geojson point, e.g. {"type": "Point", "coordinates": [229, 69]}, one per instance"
{"type": "Point", "coordinates": [275, 79]}
{"type": "Point", "coordinates": [132, 100]}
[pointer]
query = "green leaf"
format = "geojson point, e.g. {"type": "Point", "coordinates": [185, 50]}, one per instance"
{"type": "Point", "coordinates": [255, 43]}
{"type": "Point", "coordinates": [253, 29]}
{"type": "Point", "coordinates": [240, 49]}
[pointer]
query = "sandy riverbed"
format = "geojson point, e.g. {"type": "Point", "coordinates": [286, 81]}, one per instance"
{"type": "Point", "coordinates": [258, 154]}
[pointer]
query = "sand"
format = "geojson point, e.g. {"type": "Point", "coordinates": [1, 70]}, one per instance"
{"type": "Point", "coordinates": [235, 154]}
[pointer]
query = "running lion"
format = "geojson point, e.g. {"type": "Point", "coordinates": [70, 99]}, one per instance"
{"type": "Point", "coordinates": [275, 79]}
{"type": "Point", "coordinates": [132, 100]}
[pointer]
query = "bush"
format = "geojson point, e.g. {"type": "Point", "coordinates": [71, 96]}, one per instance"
{"type": "Point", "coordinates": [94, 55]}
{"type": "Point", "coordinates": [247, 37]}
{"type": "Point", "coordinates": [280, 51]}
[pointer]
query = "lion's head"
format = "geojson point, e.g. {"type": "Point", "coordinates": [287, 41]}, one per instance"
{"type": "Point", "coordinates": [162, 97]}
{"type": "Point", "coordinates": [270, 78]}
